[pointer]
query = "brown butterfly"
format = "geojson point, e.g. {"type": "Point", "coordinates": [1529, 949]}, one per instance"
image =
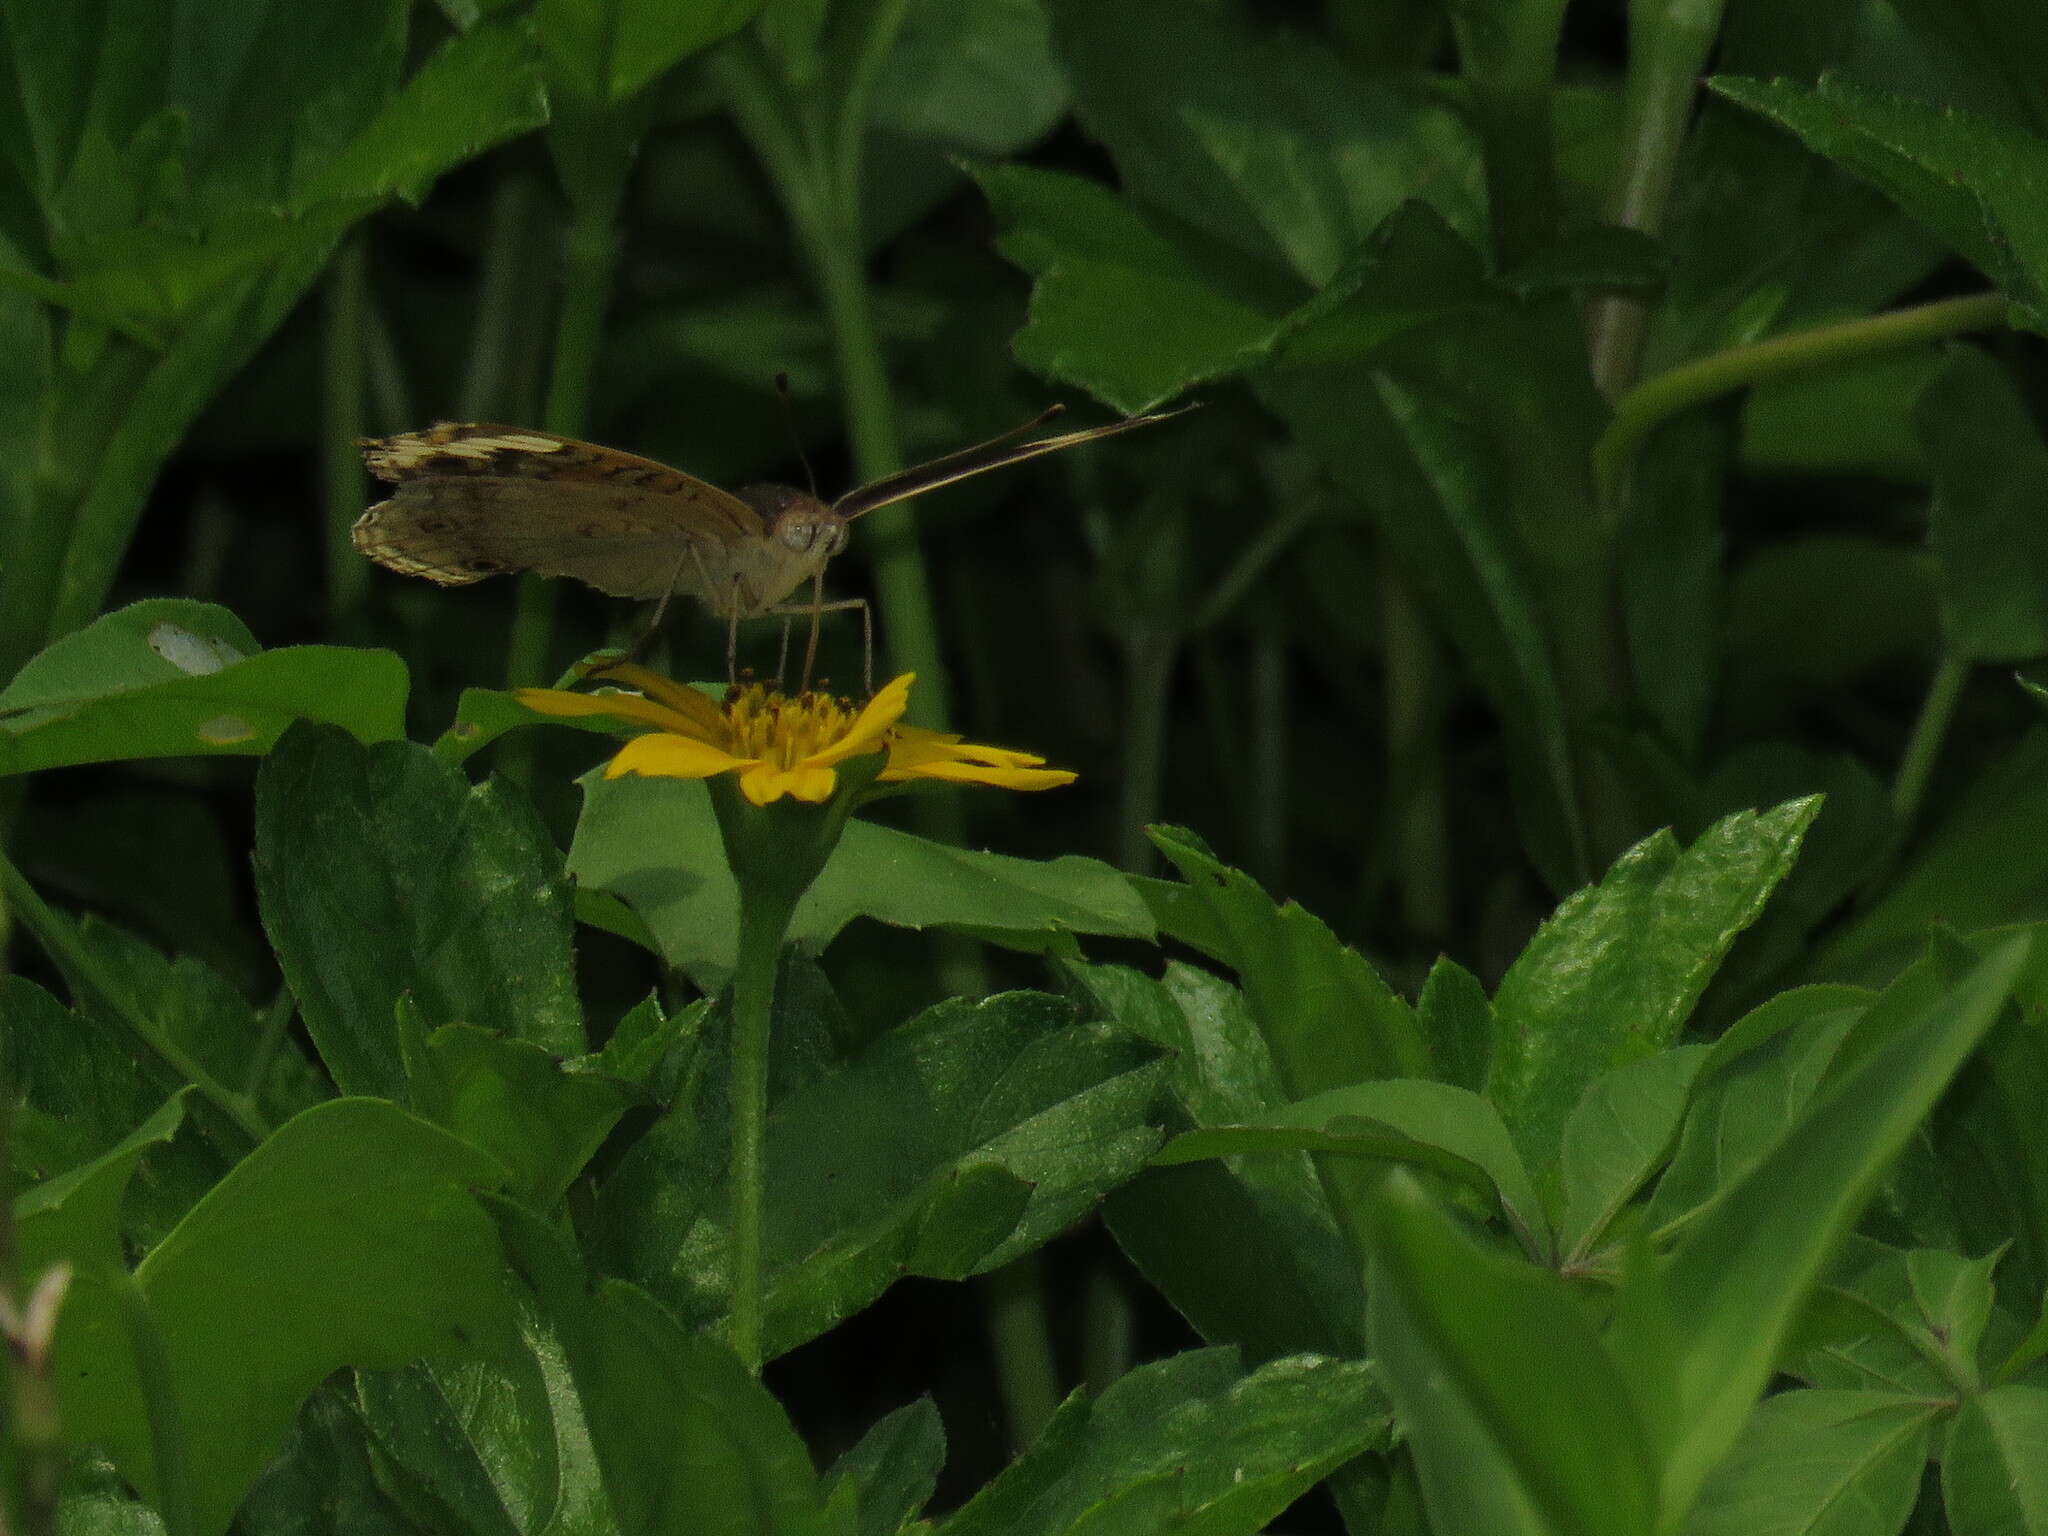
{"type": "Point", "coordinates": [474, 501]}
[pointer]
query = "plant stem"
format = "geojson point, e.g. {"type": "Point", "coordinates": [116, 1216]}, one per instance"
{"type": "Point", "coordinates": [82, 967]}
{"type": "Point", "coordinates": [490, 377]}
{"type": "Point", "coordinates": [344, 384]}
{"type": "Point", "coordinates": [1150, 652]}
{"type": "Point", "coordinates": [1656, 400]}
{"type": "Point", "coordinates": [1416, 802]}
{"type": "Point", "coordinates": [160, 1403]}
{"type": "Point", "coordinates": [590, 257]}
{"type": "Point", "coordinates": [1937, 708]}
{"type": "Point", "coordinates": [764, 922]}
{"type": "Point", "coordinates": [1020, 1337]}
{"type": "Point", "coordinates": [1669, 41]}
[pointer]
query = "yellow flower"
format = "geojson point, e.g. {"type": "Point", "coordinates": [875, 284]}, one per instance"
{"type": "Point", "coordinates": [779, 745]}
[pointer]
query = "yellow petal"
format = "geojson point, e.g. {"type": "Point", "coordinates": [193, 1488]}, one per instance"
{"type": "Point", "coordinates": [764, 783]}
{"type": "Point", "coordinates": [908, 750]}
{"type": "Point", "coordinates": [617, 706]}
{"type": "Point", "coordinates": [672, 757]}
{"type": "Point", "coordinates": [680, 697]}
{"type": "Point", "coordinates": [979, 773]}
{"type": "Point", "coordinates": [870, 725]}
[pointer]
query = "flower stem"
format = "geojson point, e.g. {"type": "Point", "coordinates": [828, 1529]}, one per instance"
{"type": "Point", "coordinates": [1020, 1337]}
{"type": "Point", "coordinates": [78, 962]}
{"type": "Point", "coordinates": [1656, 400]}
{"type": "Point", "coordinates": [1150, 652]}
{"type": "Point", "coordinates": [1668, 45]}
{"type": "Point", "coordinates": [344, 385]}
{"type": "Point", "coordinates": [764, 922]}
{"type": "Point", "coordinates": [1937, 708]}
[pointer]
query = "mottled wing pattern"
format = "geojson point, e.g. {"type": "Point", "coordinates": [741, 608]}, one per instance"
{"type": "Point", "coordinates": [475, 500]}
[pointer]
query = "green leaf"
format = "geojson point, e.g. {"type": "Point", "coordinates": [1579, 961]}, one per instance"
{"type": "Point", "coordinates": [1936, 1304]}
{"type": "Point", "coordinates": [348, 1237]}
{"type": "Point", "coordinates": [76, 1216]}
{"type": "Point", "coordinates": [1853, 420]}
{"type": "Point", "coordinates": [1220, 1072]}
{"type": "Point", "coordinates": [1517, 1417]}
{"type": "Point", "coordinates": [513, 1100]}
{"type": "Point", "coordinates": [1456, 1017]}
{"type": "Point", "coordinates": [1699, 1333]}
{"type": "Point", "coordinates": [1328, 1017]}
{"type": "Point", "coordinates": [382, 872]}
{"type": "Point", "coordinates": [893, 1469]}
{"type": "Point", "coordinates": [1617, 1135]}
{"type": "Point", "coordinates": [174, 678]}
{"type": "Point", "coordinates": [1994, 1471]}
{"type": "Point", "coordinates": [493, 1446]}
{"type": "Point", "coordinates": [1614, 973]}
{"type": "Point", "coordinates": [608, 50]}
{"type": "Point", "coordinates": [654, 844]}
{"type": "Point", "coordinates": [1183, 1444]}
{"type": "Point", "coordinates": [1118, 308]}
{"type": "Point", "coordinates": [1985, 864]}
{"type": "Point", "coordinates": [1981, 48]}
{"type": "Point", "coordinates": [1988, 463]}
{"type": "Point", "coordinates": [1818, 1463]}
{"type": "Point", "coordinates": [1756, 1083]}
{"type": "Point", "coordinates": [81, 1090]}
{"type": "Point", "coordinates": [476, 90]}
{"type": "Point", "coordinates": [980, 79]}
{"type": "Point", "coordinates": [961, 1139]}
{"type": "Point", "coordinates": [1264, 142]}
{"type": "Point", "coordinates": [323, 1483]}
{"type": "Point", "coordinates": [1981, 186]}
{"type": "Point", "coordinates": [1448, 1130]}
{"type": "Point", "coordinates": [687, 1440]}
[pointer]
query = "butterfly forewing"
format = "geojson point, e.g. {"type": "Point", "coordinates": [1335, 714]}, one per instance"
{"type": "Point", "coordinates": [472, 501]}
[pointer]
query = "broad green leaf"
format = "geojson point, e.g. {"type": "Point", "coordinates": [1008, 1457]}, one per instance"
{"type": "Point", "coordinates": [1977, 869]}
{"type": "Point", "coordinates": [513, 1100]}
{"type": "Point", "coordinates": [1184, 1444]}
{"type": "Point", "coordinates": [1933, 1307]}
{"type": "Point", "coordinates": [1617, 1136]}
{"type": "Point", "coordinates": [979, 79]}
{"type": "Point", "coordinates": [1456, 1017]}
{"type": "Point", "coordinates": [382, 872]}
{"type": "Point", "coordinates": [1448, 1130]}
{"type": "Point", "coordinates": [686, 1438]}
{"type": "Point", "coordinates": [174, 678]}
{"type": "Point", "coordinates": [349, 1237]}
{"type": "Point", "coordinates": [1819, 1464]}
{"type": "Point", "coordinates": [654, 844]}
{"type": "Point", "coordinates": [324, 1482]}
{"type": "Point", "coordinates": [1855, 420]}
{"type": "Point", "coordinates": [473, 91]}
{"type": "Point", "coordinates": [1982, 48]}
{"type": "Point", "coordinates": [1757, 1081]}
{"type": "Point", "coordinates": [1614, 973]}
{"type": "Point", "coordinates": [608, 50]}
{"type": "Point", "coordinates": [80, 1089]}
{"type": "Point", "coordinates": [1328, 1017]}
{"type": "Point", "coordinates": [894, 1468]}
{"type": "Point", "coordinates": [1988, 464]}
{"type": "Point", "coordinates": [1517, 1417]}
{"type": "Point", "coordinates": [501, 1440]}
{"type": "Point", "coordinates": [1979, 185]}
{"type": "Point", "coordinates": [1994, 1469]}
{"type": "Point", "coordinates": [1815, 613]}
{"type": "Point", "coordinates": [1264, 142]}
{"type": "Point", "coordinates": [75, 1218]}
{"type": "Point", "coordinates": [1672, 556]}
{"type": "Point", "coordinates": [961, 1139]}
{"type": "Point", "coordinates": [1219, 1072]}
{"type": "Point", "coordinates": [1699, 1334]}
{"type": "Point", "coordinates": [1117, 308]}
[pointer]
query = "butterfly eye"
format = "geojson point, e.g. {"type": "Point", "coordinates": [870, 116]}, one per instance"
{"type": "Point", "coordinates": [799, 534]}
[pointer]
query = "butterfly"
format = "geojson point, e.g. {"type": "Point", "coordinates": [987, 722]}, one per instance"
{"type": "Point", "coordinates": [472, 500]}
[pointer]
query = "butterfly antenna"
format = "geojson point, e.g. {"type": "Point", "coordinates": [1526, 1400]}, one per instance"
{"type": "Point", "coordinates": [789, 425]}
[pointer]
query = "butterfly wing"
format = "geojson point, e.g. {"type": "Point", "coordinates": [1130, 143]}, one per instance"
{"type": "Point", "coordinates": [476, 500]}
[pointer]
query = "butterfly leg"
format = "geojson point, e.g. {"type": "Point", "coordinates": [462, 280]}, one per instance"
{"type": "Point", "coordinates": [842, 605]}
{"type": "Point", "coordinates": [782, 658]}
{"type": "Point", "coordinates": [817, 608]}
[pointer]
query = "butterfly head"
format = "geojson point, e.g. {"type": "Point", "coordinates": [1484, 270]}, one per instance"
{"type": "Point", "coordinates": [796, 521]}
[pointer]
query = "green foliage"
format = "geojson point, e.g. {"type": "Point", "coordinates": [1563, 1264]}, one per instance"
{"type": "Point", "coordinates": [1577, 1072]}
